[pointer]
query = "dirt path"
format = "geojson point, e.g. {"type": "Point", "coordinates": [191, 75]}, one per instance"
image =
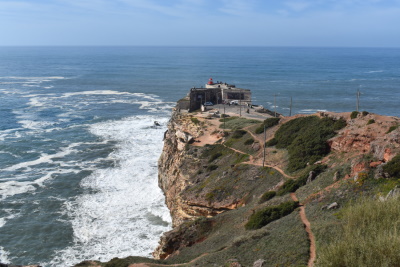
{"type": "Point", "coordinates": [307, 225]}
{"type": "Point", "coordinates": [252, 161]}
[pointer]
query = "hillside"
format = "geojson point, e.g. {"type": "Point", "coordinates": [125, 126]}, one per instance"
{"type": "Point", "coordinates": [320, 171]}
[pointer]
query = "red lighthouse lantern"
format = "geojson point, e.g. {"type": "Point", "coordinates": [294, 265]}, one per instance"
{"type": "Point", "coordinates": [210, 81]}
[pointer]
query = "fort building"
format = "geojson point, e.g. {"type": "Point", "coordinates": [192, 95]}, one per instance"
{"type": "Point", "coordinates": [216, 93]}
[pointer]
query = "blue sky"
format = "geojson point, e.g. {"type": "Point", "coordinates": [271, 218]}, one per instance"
{"type": "Point", "coordinates": [348, 23]}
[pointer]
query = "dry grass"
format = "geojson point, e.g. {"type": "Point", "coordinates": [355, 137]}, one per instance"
{"type": "Point", "coordinates": [369, 236]}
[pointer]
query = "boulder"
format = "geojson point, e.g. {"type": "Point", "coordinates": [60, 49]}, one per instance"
{"type": "Point", "coordinates": [311, 177]}
{"type": "Point", "coordinates": [259, 263]}
{"type": "Point", "coordinates": [183, 136]}
{"type": "Point", "coordinates": [256, 146]}
{"type": "Point", "coordinates": [394, 193]}
{"type": "Point", "coordinates": [336, 176]}
{"type": "Point", "coordinates": [332, 206]}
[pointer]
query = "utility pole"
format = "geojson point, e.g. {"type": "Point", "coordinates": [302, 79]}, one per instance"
{"type": "Point", "coordinates": [224, 117]}
{"type": "Point", "coordinates": [290, 112]}
{"type": "Point", "coordinates": [240, 104]}
{"type": "Point", "coordinates": [265, 138]}
{"type": "Point", "coordinates": [358, 99]}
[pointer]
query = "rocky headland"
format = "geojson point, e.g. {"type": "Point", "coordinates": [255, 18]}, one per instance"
{"type": "Point", "coordinates": [234, 203]}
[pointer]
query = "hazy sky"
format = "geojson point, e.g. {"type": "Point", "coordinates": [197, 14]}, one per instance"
{"type": "Point", "coordinates": [371, 23]}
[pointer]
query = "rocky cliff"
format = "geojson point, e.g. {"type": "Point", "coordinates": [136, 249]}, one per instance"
{"type": "Point", "coordinates": [233, 204]}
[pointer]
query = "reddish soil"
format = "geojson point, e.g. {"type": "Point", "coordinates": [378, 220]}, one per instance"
{"type": "Point", "coordinates": [307, 225]}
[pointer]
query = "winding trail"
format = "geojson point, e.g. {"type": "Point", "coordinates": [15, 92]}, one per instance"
{"type": "Point", "coordinates": [303, 215]}
{"type": "Point", "coordinates": [307, 225]}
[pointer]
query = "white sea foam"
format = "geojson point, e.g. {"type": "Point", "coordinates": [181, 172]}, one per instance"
{"type": "Point", "coordinates": [374, 71]}
{"type": "Point", "coordinates": [311, 111]}
{"type": "Point", "coordinates": [126, 214]}
{"type": "Point", "coordinates": [35, 125]}
{"type": "Point", "coordinates": [98, 92]}
{"type": "Point", "coordinates": [15, 187]}
{"type": "Point", "coordinates": [45, 158]}
{"type": "Point", "coordinates": [4, 220]}
{"type": "Point", "coordinates": [11, 188]}
{"type": "Point", "coordinates": [4, 256]}
{"type": "Point", "coordinates": [34, 78]}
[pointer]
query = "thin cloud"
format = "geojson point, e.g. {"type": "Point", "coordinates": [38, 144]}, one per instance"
{"type": "Point", "coordinates": [298, 5]}
{"type": "Point", "coordinates": [237, 7]}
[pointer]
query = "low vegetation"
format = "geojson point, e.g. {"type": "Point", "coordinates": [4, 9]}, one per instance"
{"type": "Point", "coordinates": [195, 120]}
{"type": "Point", "coordinates": [369, 235]}
{"type": "Point", "coordinates": [249, 141]}
{"type": "Point", "coordinates": [271, 142]}
{"type": "Point", "coordinates": [371, 121]}
{"type": "Point", "coordinates": [234, 123]}
{"type": "Point", "coordinates": [214, 156]}
{"type": "Point", "coordinates": [393, 167]}
{"type": "Point", "coordinates": [306, 139]}
{"type": "Point", "coordinates": [267, 196]}
{"type": "Point", "coordinates": [292, 185]}
{"type": "Point", "coordinates": [238, 134]}
{"type": "Point", "coordinates": [392, 128]}
{"type": "Point", "coordinates": [354, 114]}
{"type": "Point", "coordinates": [270, 214]}
{"type": "Point", "coordinates": [268, 123]}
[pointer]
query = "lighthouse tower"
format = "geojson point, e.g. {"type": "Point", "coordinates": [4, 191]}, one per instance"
{"type": "Point", "coordinates": [210, 81]}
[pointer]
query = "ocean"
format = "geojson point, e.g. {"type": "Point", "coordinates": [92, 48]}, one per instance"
{"type": "Point", "coordinates": [78, 145]}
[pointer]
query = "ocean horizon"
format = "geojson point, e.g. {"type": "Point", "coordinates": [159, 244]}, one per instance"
{"type": "Point", "coordinates": [78, 145]}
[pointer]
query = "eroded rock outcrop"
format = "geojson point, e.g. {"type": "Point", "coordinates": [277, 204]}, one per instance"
{"type": "Point", "coordinates": [368, 135]}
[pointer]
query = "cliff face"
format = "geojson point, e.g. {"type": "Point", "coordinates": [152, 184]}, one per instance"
{"type": "Point", "coordinates": [173, 173]}
{"type": "Point", "coordinates": [178, 169]}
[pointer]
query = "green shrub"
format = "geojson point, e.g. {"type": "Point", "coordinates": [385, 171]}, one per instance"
{"type": "Point", "coordinates": [87, 263]}
{"type": "Point", "coordinates": [238, 134]}
{"type": "Point", "coordinates": [268, 123]}
{"type": "Point", "coordinates": [212, 167]}
{"type": "Point", "coordinates": [270, 214]}
{"type": "Point", "coordinates": [365, 113]}
{"type": "Point", "coordinates": [215, 156]}
{"type": "Point", "coordinates": [393, 167]}
{"type": "Point", "coordinates": [371, 121]}
{"type": "Point", "coordinates": [267, 196]}
{"type": "Point", "coordinates": [292, 185]}
{"type": "Point", "coordinates": [306, 139]}
{"type": "Point", "coordinates": [195, 120]}
{"type": "Point", "coordinates": [249, 141]}
{"type": "Point", "coordinates": [117, 262]}
{"type": "Point", "coordinates": [271, 142]}
{"type": "Point", "coordinates": [392, 128]}
{"type": "Point", "coordinates": [354, 114]}
{"type": "Point", "coordinates": [369, 235]}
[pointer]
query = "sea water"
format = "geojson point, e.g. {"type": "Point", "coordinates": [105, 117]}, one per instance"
{"type": "Point", "coordinates": [79, 148]}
